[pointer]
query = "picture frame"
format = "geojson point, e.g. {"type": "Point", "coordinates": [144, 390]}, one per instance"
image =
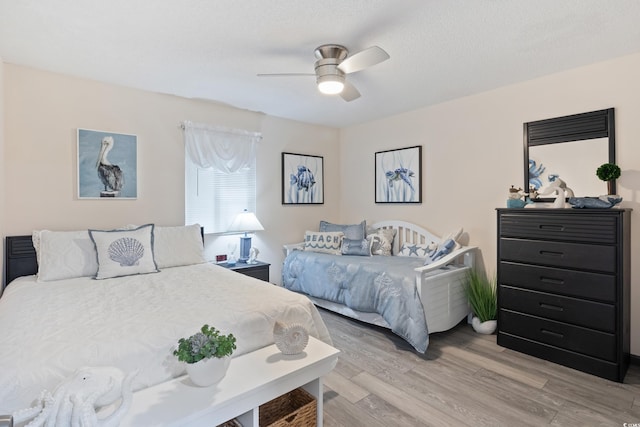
{"type": "Point", "coordinates": [302, 179]}
{"type": "Point", "coordinates": [398, 175]}
{"type": "Point", "coordinates": [107, 165]}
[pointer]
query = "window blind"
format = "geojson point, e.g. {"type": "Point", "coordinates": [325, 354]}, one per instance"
{"type": "Point", "coordinates": [213, 198]}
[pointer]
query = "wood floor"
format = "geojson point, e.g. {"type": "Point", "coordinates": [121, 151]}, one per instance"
{"type": "Point", "coordinates": [463, 379]}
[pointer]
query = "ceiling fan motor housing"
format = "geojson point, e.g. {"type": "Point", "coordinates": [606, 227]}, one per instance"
{"type": "Point", "coordinates": [329, 57]}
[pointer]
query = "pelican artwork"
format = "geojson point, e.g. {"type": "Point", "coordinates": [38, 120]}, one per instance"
{"type": "Point", "coordinates": [110, 175]}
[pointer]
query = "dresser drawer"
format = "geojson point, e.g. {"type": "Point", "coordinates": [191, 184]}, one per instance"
{"type": "Point", "coordinates": [575, 228]}
{"type": "Point", "coordinates": [565, 309]}
{"type": "Point", "coordinates": [582, 340]}
{"type": "Point", "coordinates": [581, 284]}
{"type": "Point", "coordinates": [559, 254]}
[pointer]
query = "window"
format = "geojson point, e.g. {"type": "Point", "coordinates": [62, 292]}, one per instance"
{"type": "Point", "coordinates": [220, 174]}
{"type": "Point", "coordinates": [213, 198]}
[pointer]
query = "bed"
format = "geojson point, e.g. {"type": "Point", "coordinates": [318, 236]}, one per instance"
{"type": "Point", "coordinates": [48, 329]}
{"type": "Point", "coordinates": [395, 292]}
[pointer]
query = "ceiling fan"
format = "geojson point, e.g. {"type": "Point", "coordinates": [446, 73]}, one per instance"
{"type": "Point", "coordinates": [334, 63]}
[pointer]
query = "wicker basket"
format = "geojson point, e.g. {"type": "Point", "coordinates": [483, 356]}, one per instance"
{"type": "Point", "coordinates": [231, 423]}
{"type": "Point", "coordinates": [294, 409]}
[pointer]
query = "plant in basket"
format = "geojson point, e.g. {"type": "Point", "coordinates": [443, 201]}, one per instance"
{"type": "Point", "coordinates": [207, 354]}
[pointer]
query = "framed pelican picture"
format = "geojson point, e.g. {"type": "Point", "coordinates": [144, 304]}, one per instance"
{"type": "Point", "coordinates": [398, 175]}
{"type": "Point", "coordinates": [302, 179]}
{"type": "Point", "coordinates": [107, 165]}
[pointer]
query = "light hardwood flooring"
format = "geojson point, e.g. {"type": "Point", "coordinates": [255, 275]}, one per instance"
{"type": "Point", "coordinates": [464, 379]}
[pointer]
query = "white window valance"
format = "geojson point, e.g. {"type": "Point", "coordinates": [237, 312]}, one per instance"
{"type": "Point", "coordinates": [223, 149]}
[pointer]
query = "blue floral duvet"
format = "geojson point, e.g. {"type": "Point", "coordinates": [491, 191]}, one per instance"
{"type": "Point", "coordinates": [378, 284]}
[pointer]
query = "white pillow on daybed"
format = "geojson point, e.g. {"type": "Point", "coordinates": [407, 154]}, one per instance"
{"type": "Point", "coordinates": [329, 242]}
{"type": "Point", "coordinates": [444, 247]}
{"type": "Point", "coordinates": [381, 240]}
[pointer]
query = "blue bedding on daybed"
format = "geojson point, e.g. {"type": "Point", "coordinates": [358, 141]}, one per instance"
{"type": "Point", "coordinates": [378, 284]}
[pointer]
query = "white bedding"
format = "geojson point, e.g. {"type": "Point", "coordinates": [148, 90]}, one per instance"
{"type": "Point", "coordinates": [47, 330]}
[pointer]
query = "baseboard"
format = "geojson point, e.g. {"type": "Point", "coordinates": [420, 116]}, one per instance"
{"type": "Point", "coordinates": [634, 360]}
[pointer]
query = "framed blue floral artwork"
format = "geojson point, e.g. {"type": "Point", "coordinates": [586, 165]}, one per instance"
{"type": "Point", "coordinates": [398, 175]}
{"type": "Point", "coordinates": [302, 179]}
{"type": "Point", "coordinates": [107, 165]}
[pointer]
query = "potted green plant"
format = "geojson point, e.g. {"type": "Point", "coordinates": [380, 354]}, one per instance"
{"type": "Point", "coordinates": [481, 294]}
{"type": "Point", "coordinates": [207, 355]}
{"type": "Point", "coordinates": [608, 172]}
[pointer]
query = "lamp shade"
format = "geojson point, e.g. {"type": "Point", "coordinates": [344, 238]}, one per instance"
{"type": "Point", "coordinates": [330, 84]}
{"type": "Point", "coordinates": [245, 222]}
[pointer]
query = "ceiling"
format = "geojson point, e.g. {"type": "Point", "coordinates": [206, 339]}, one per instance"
{"type": "Point", "coordinates": [213, 49]}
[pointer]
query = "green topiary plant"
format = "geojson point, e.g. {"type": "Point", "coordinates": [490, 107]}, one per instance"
{"type": "Point", "coordinates": [205, 344]}
{"type": "Point", "coordinates": [608, 172]}
{"type": "Point", "coordinates": [481, 294]}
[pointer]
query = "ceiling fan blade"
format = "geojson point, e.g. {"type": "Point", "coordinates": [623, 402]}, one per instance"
{"type": "Point", "coordinates": [284, 74]}
{"type": "Point", "coordinates": [349, 93]}
{"type": "Point", "coordinates": [363, 59]}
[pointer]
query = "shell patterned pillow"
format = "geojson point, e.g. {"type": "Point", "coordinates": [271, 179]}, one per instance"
{"type": "Point", "coordinates": [124, 252]}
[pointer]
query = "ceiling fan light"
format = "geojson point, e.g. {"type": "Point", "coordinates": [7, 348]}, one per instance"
{"type": "Point", "coordinates": [331, 84]}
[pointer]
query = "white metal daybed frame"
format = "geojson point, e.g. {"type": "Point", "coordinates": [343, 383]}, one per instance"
{"type": "Point", "coordinates": [440, 284]}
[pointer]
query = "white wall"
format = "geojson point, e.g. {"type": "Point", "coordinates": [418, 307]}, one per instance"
{"type": "Point", "coordinates": [43, 111]}
{"type": "Point", "coordinates": [2, 188]}
{"type": "Point", "coordinates": [473, 152]}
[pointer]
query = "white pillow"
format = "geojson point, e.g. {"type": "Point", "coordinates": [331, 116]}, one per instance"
{"type": "Point", "coordinates": [381, 241]}
{"type": "Point", "coordinates": [329, 242]}
{"type": "Point", "coordinates": [175, 246]}
{"type": "Point", "coordinates": [64, 254]}
{"type": "Point", "coordinates": [444, 247]}
{"type": "Point", "coordinates": [124, 252]}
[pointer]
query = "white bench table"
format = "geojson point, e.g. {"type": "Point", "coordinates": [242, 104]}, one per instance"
{"type": "Point", "coordinates": [252, 379]}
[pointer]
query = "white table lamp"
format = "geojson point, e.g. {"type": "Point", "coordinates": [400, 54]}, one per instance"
{"type": "Point", "coordinates": [245, 222]}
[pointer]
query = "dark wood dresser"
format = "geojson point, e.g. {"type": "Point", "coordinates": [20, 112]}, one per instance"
{"type": "Point", "coordinates": [564, 286]}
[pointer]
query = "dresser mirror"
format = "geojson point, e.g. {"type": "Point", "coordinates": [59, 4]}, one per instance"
{"type": "Point", "coordinates": [570, 148]}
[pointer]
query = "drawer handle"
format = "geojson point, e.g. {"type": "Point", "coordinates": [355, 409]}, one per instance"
{"type": "Point", "coordinates": [551, 307]}
{"type": "Point", "coordinates": [551, 227]}
{"type": "Point", "coordinates": [553, 334]}
{"type": "Point", "coordinates": [551, 280]}
{"type": "Point", "coordinates": [551, 253]}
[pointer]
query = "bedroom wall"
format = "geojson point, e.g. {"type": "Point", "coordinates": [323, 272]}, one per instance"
{"type": "Point", "coordinates": [43, 111]}
{"type": "Point", "coordinates": [2, 192]}
{"type": "Point", "coordinates": [473, 152]}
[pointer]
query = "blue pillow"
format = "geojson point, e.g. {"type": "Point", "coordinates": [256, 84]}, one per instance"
{"type": "Point", "coordinates": [351, 231]}
{"type": "Point", "coordinates": [356, 247]}
{"type": "Point", "coordinates": [443, 249]}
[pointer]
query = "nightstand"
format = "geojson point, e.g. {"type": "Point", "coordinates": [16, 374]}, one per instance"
{"type": "Point", "coordinates": [259, 270]}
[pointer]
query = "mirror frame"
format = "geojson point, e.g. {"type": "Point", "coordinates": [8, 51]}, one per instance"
{"type": "Point", "coordinates": [576, 127]}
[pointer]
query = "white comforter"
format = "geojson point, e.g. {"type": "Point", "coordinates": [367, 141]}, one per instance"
{"type": "Point", "coordinates": [48, 330]}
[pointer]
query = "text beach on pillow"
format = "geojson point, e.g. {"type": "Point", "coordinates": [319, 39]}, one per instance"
{"type": "Point", "coordinates": [245, 222]}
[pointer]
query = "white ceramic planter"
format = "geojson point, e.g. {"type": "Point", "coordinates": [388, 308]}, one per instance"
{"type": "Point", "coordinates": [208, 371]}
{"type": "Point", "coordinates": [487, 327]}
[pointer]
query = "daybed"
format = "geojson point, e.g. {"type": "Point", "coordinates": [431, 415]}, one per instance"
{"type": "Point", "coordinates": [396, 292]}
{"type": "Point", "coordinates": [50, 328]}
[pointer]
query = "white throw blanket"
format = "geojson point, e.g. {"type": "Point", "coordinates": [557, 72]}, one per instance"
{"type": "Point", "coordinates": [48, 330]}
